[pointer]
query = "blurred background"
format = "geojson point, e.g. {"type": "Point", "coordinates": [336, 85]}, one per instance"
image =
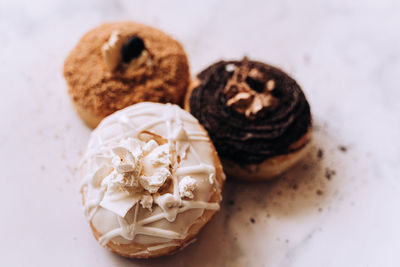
{"type": "Point", "coordinates": [338, 207]}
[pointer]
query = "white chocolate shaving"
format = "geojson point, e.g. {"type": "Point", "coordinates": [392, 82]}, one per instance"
{"type": "Point", "coordinates": [154, 182]}
{"type": "Point", "coordinates": [147, 201]}
{"type": "Point", "coordinates": [186, 187]}
{"type": "Point", "coordinates": [111, 51]}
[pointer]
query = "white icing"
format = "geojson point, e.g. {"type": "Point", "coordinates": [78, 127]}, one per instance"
{"type": "Point", "coordinates": [119, 201]}
{"type": "Point", "coordinates": [145, 165]}
{"type": "Point", "coordinates": [170, 206]}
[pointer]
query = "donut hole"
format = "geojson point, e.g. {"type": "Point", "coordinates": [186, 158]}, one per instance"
{"type": "Point", "coordinates": [256, 85]}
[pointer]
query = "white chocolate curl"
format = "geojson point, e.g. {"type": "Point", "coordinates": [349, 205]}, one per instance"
{"type": "Point", "coordinates": [111, 51]}
{"type": "Point", "coordinates": [186, 187]}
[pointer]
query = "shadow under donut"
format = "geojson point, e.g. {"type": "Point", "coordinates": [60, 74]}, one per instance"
{"type": "Point", "coordinates": [249, 209]}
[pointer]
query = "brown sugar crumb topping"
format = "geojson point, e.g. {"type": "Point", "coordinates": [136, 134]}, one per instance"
{"type": "Point", "coordinates": [159, 73]}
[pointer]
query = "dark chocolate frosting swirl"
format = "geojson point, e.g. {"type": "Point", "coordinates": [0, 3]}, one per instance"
{"type": "Point", "coordinates": [244, 140]}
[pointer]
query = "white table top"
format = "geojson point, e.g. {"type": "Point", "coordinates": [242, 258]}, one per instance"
{"type": "Point", "coordinates": [345, 55]}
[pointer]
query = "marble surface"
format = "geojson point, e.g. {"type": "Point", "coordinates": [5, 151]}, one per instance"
{"type": "Point", "coordinates": [338, 207]}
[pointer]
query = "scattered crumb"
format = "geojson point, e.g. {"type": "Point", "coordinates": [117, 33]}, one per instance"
{"type": "Point", "coordinates": [43, 167]}
{"type": "Point", "coordinates": [295, 186]}
{"type": "Point", "coordinates": [342, 148]}
{"type": "Point", "coordinates": [305, 167]}
{"type": "Point", "coordinates": [319, 192]}
{"type": "Point", "coordinates": [320, 209]}
{"type": "Point", "coordinates": [252, 220]}
{"type": "Point", "coordinates": [287, 240]}
{"type": "Point", "coordinates": [268, 215]}
{"type": "Point", "coordinates": [320, 153]}
{"type": "Point", "coordinates": [71, 169]}
{"type": "Point", "coordinates": [329, 173]}
{"type": "Point", "coordinates": [231, 202]}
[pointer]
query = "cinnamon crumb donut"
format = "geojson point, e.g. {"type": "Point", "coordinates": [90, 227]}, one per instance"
{"type": "Point", "coordinates": [122, 63]}
{"type": "Point", "coordinates": [151, 180]}
{"type": "Point", "coordinates": [256, 115]}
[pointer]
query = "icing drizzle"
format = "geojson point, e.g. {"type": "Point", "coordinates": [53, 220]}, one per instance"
{"type": "Point", "coordinates": [143, 175]}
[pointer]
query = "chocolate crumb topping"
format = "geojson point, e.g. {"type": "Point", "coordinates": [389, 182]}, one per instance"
{"type": "Point", "coordinates": [241, 130]}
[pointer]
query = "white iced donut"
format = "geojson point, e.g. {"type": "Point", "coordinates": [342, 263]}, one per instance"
{"type": "Point", "coordinates": [151, 180]}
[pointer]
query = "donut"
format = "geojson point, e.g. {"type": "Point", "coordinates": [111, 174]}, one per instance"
{"type": "Point", "coordinates": [119, 64]}
{"type": "Point", "coordinates": [256, 115]}
{"type": "Point", "coordinates": [151, 180]}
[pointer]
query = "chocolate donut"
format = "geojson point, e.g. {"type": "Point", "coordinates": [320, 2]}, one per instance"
{"type": "Point", "coordinates": [253, 112]}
